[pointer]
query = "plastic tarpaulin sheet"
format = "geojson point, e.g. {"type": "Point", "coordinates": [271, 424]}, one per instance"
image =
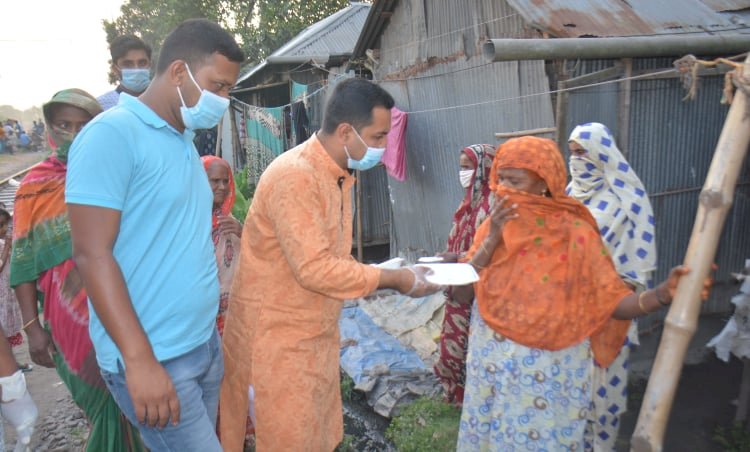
{"type": "Point", "coordinates": [735, 337]}
{"type": "Point", "coordinates": [387, 371]}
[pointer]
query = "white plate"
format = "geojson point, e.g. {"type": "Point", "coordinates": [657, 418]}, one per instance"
{"type": "Point", "coordinates": [391, 264]}
{"type": "Point", "coordinates": [430, 259]}
{"type": "Point", "coordinates": [451, 274]}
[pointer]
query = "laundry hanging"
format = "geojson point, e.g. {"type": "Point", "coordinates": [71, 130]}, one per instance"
{"type": "Point", "coordinates": [265, 138]}
{"type": "Point", "coordinates": [394, 157]}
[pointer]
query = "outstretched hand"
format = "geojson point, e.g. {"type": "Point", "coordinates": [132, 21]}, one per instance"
{"type": "Point", "coordinates": [420, 286]}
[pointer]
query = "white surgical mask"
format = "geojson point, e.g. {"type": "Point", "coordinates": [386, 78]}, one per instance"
{"type": "Point", "coordinates": [207, 112]}
{"type": "Point", "coordinates": [465, 177]}
{"type": "Point", "coordinates": [369, 160]}
{"type": "Point", "coordinates": [136, 80]}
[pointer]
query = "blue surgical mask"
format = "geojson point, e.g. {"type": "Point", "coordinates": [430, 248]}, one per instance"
{"type": "Point", "coordinates": [207, 112]}
{"type": "Point", "coordinates": [369, 160]}
{"type": "Point", "coordinates": [135, 80]}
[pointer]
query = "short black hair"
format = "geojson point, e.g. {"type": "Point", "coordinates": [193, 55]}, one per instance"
{"type": "Point", "coordinates": [352, 101]}
{"type": "Point", "coordinates": [194, 41]}
{"type": "Point", "coordinates": [4, 216]}
{"type": "Point", "coordinates": [121, 45]}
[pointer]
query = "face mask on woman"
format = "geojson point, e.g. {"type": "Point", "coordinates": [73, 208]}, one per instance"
{"type": "Point", "coordinates": [62, 139]}
{"type": "Point", "coordinates": [465, 177]}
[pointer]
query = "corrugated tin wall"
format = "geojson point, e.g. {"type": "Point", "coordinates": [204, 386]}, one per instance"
{"type": "Point", "coordinates": [430, 70]}
{"type": "Point", "coordinates": [671, 146]}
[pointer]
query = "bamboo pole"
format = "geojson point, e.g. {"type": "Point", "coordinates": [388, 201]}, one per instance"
{"type": "Point", "coordinates": [682, 319]}
{"type": "Point", "coordinates": [523, 133]}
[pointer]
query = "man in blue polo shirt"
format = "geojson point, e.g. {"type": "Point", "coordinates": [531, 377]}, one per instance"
{"type": "Point", "coordinates": [140, 211]}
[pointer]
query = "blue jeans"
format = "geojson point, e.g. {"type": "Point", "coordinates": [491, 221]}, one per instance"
{"type": "Point", "coordinates": [196, 376]}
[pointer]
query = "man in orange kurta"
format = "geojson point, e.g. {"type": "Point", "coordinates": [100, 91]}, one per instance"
{"type": "Point", "coordinates": [281, 334]}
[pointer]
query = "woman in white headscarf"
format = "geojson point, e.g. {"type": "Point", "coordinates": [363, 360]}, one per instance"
{"type": "Point", "coordinates": [603, 181]}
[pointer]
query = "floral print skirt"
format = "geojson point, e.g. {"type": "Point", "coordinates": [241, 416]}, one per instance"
{"type": "Point", "coordinates": [523, 399]}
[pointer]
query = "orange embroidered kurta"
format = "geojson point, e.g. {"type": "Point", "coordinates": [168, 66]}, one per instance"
{"type": "Point", "coordinates": [281, 335]}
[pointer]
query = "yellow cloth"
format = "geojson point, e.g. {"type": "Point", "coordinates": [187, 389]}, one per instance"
{"type": "Point", "coordinates": [282, 333]}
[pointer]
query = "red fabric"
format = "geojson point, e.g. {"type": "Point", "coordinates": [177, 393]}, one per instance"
{"type": "Point", "coordinates": [475, 207]}
{"type": "Point", "coordinates": [476, 202]}
{"type": "Point", "coordinates": [15, 340]}
{"type": "Point", "coordinates": [394, 157]}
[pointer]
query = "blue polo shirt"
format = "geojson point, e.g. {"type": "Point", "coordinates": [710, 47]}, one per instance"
{"type": "Point", "coordinates": [129, 159]}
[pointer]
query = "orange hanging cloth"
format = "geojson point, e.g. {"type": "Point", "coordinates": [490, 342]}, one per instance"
{"type": "Point", "coordinates": [551, 282]}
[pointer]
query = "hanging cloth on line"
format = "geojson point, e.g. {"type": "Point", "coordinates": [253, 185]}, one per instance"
{"type": "Point", "coordinates": [265, 138]}
{"type": "Point", "coordinates": [394, 157]}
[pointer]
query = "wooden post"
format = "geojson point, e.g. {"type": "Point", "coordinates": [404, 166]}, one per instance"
{"type": "Point", "coordinates": [682, 319]}
{"type": "Point", "coordinates": [744, 398]}
{"type": "Point", "coordinates": [623, 113]}
{"type": "Point", "coordinates": [523, 133]}
{"type": "Point", "coordinates": [358, 201]}
{"type": "Point", "coordinates": [561, 115]}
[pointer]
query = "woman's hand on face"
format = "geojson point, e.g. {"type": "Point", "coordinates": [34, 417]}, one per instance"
{"type": "Point", "coordinates": [230, 225]}
{"type": "Point", "coordinates": [500, 214]}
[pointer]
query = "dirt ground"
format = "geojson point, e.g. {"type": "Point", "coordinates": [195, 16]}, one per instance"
{"type": "Point", "coordinates": [704, 401]}
{"type": "Point", "coordinates": [705, 398]}
{"type": "Point", "coordinates": [48, 392]}
{"type": "Point", "coordinates": [11, 164]}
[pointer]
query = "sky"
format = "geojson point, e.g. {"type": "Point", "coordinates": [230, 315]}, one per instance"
{"type": "Point", "coordinates": [49, 45]}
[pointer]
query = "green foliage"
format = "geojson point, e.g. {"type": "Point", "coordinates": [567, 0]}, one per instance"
{"type": "Point", "coordinates": [426, 424]}
{"type": "Point", "coordinates": [347, 444]}
{"type": "Point", "coordinates": [243, 196]}
{"type": "Point", "coordinates": [260, 26]}
{"type": "Point", "coordinates": [735, 438]}
{"type": "Point", "coordinates": [347, 386]}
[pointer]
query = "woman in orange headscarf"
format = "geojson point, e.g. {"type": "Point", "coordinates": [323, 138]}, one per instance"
{"type": "Point", "coordinates": [548, 297]}
{"type": "Point", "coordinates": [225, 229]}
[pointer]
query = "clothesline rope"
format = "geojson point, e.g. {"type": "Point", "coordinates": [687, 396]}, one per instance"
{"type": "Point", "coordinates": [505, 99]}
{"type": "Point", "coordinates": [508, 99]}
{"type": "Point", "coordinates": [307, 96]}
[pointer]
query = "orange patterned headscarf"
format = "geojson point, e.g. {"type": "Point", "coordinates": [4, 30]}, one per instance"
{"type": "Point", "coordinates": [551, 283]}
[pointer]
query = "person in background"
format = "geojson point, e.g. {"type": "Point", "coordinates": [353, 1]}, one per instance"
{"type": "Point", "coordinates": [548, 297]}
{"type": "Point", "coordinates": [42, 262]}
{"type": "Point", "coordinates": [140, 212]}
{"type": "Point", "coordinates": [225, 229]}
{"type": "Point", "coordinates": [131, 68]}
{"type": "Point", "coordinates": [475, 162]}
{"type": "Point", "coordinates": [10, 313]}
{"type": "Point", "coordinates": [604, 182]}
{"type": "Point", "coordinates": [17, 407]}
{"type": "Point", "coordinates": [24, 142]}
{"type": "Point", "coordinates": [296, 268]}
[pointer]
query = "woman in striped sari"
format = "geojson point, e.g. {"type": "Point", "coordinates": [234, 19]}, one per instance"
{"type": "Point", "coordinates": [45, 277]}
